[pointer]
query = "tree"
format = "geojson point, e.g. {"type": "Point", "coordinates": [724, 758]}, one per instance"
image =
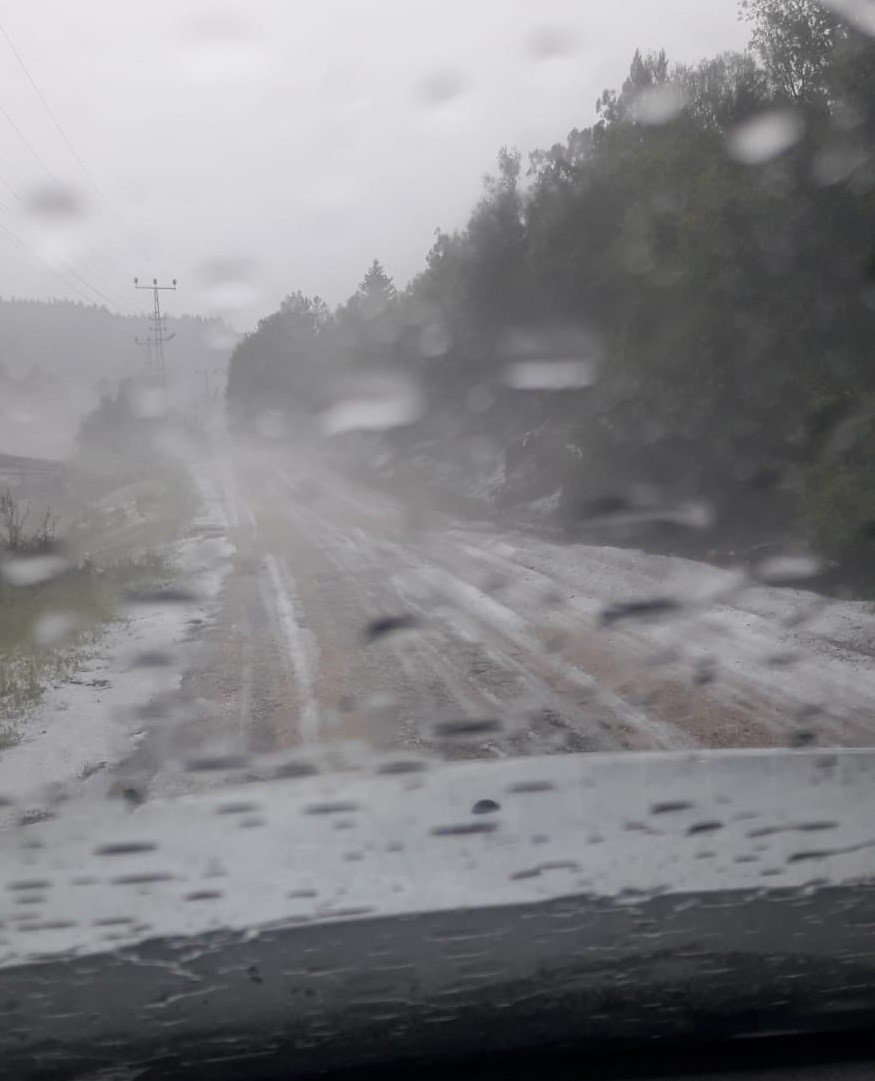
{"type": "Point", "coordinates": [721, 91]}
{"type": "Point", "coordinates": [376, 290]}
{"type": "Point", "coordinates": [645, 72]}
{"type": "Point", "coordinates": [731, 304]}
{"type": "Point", "coordinates": [795, 41]}
{"type": "Point", "coordinates": [367, 326]}
{"type": "Point", "coordinates": [284, 363]}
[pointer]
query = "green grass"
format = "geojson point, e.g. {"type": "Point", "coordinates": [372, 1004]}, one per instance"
{"type": "Point", "coordinates": [130, 520]}
{"type": "Point", "coordinates": [111, 552]}
{"type": "Point", "coordinates": [27, 665]}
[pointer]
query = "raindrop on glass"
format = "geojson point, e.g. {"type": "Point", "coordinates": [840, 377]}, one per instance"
{"type": "Point", "coordinates": [32, 569]}
{"type": "Point", "coordinates": [550, 374]}
{"type": "Point", "coordinates": [658, 104]}
{"type": "Point", "coordinates": [221, 48]}
{"type": "Point", "coordinates": [550, 42]}
{"type": "Point", "coordinates": [442, 87]}
{"type": "Point", "coordinates": [52, 627]}
{"type": "Point", "coordinates": [765, 136]}
{"type": "Point", "coordinates": [54, 202]}
{"type": "Point", "coordinates": [394, 408]}
{"type": "Point", "coordinates": [226, 285]}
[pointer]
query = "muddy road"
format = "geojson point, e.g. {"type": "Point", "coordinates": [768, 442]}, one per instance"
{"type": "Point", "coordinates": [376, 625]}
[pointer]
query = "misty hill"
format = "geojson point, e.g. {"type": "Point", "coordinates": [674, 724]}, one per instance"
{"type": "Point", "coordinates": [56, 357]}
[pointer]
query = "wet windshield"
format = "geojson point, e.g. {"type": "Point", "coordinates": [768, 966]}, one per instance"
{"type": "Point", "coordinates": [436, 475]}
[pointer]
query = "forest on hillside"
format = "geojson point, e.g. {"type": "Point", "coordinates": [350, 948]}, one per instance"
{"type": "Point", "coordinates": [59, 357]}
{"type": "Point", "coordinates": [85, 343]}
{"type": "Point", "coordinates": [692, 275]}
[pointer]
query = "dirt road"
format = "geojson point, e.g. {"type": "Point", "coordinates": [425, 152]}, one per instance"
{"type": "Point", "coordinates": [356, 621]}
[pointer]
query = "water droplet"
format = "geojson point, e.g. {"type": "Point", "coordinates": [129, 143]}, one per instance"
{"type": "Point", "coordinates": [379, 703]}
{"type": "Point", "coordinates": [271, 424]}
{"type": "Point", "coordinates": [383, 625]}
{"type": "Point", "coordinates": [802, 737]}
{"type": "Point", "coordinates": [221, 338]}
{"type": "Point", "coordinates": [168, 595]}
{"type": "Point", "coordinates": [434, 340]}
{"type": "Point", "coordinates": [221, 48]}
{"type": "Point", "coordinates": [441, 87]}
{"type": "Point", "coordinates": [146, 401]}
{"type": "Point", "coordinates": [142, 880]}
{"type": "Point", "coordinates": [671, 807]}
{"type": "Point", "coordinates": [837, 163]}
{"type": "Point", "coordinates": [655, 608]}
{"type": "Point", "coordinates": [126, 848]}
{"type": "Point", "coordinates": [395, 407]}
{"type": "Point", "coordinates": [696, 515]}
{"type": "Point", "coordinates": [31, 569]}
{"type": "Point", "coordinates": [399, 766]}
{"type": "Point", "coordinates": [550, 374]}
{"type": "Point", "coordinates": [765, 136]}
{"type": "Point", "coordinates": [54, 626]}
{"type": "Point", "coordinates": [53, 202]}
{"type": "Point", "coordinates": [788, 569]}
{"type": "Point", "coordinates": [226, 285]}
{"type": "Point", "coordinates": [550, 42]}
{"type": "Point", "coordinates": [57, 216]}
{"type": "Point", "coordinates": [466, 729]}
{"type": "Point", "coordinates": [236, 808]}
{"type": "Point", "coordinates": [331, 808]}
{"type": "Point", "coordinates": [152, 658]}
{"type": "Point", "coordinates": [658, 104]}
{"type": "Point", "coordinates": [859, 13]}
{"type": "Point", "coordinates": [216, 763]}
{"type": "Point", "coordinates": [709, 826]}
{"type": "Point", "coordinates": [464, 829]}
{"type": "Point", "coordinates": [31, 884]}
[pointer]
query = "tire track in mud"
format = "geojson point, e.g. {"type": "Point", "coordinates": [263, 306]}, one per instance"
{"type": "Point", "coordinates": [347, 596]}
{"type": "Point", "coordinates": [472, 651]}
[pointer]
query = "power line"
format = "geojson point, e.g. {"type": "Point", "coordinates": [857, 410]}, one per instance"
{"type": "Point", "coordinates": [116, 302]}
{"type": "Point", "coordinates": [55, 270]}
{"type": "Point", "coordinates": [29, 146]}
{"type": "Point", "coordinates": [113, 302]}
{"type": "Point", "coordinates": [93, 288]}
{"type": "Point", "coordinates": [158, 331]}
{"type": "Point", "coordinates": [10, 235]}
{"type": "Point", "coordinates": [86, 171]}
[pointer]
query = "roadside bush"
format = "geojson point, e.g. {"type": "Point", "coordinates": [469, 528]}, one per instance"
{"type": "Point", "coordinates": [13, 516]}
{"type": "Point", "coordinates": [13, 519]}
{"type": "Point", "coordinates": [838, 498]}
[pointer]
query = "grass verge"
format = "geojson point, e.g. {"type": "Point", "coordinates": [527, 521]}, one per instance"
{"type": "Point", "coordinates": [48, 629]}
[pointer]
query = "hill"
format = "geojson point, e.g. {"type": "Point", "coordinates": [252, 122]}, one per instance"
{"type": "Point", "coordinates": [57, 356]}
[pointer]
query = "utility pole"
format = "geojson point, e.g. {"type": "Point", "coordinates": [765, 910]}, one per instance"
{"type": "Point", "coordinates": [146, 344]}
{"type": "Point", "coordinates": [157, 331]}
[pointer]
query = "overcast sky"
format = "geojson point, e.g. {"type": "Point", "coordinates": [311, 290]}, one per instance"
{"type": "Point", "coordinates": [251, 149]}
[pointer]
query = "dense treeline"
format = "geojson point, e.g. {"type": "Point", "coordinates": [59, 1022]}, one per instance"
{"type": "Point", "coordinates": [708, 243]}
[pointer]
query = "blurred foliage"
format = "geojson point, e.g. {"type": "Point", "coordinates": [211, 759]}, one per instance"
{"type": "Point", "coordinates": [838, 490]}
{"type": "Point", "coordinates": [713, 229]}
{"type": "Point", "coordinates": [136, 499]}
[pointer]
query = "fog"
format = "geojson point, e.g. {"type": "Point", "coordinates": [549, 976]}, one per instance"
{"type": "Point", "coordinates": [518, 382]}
{"type": "Point", "coordinates": [513, 420]}
{"type": "Point", "coordinates": [250, 150]}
